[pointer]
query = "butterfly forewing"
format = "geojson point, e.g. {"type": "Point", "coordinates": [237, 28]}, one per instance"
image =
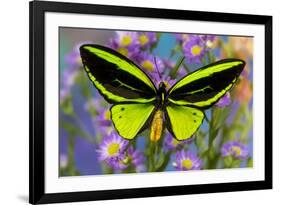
{"type": "Point", "coordinates": [206, 86]}
{"type": "Point", "coordinates": [116, 77]}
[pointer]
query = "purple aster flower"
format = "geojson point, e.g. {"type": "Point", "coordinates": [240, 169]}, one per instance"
{"type": "Point", "coordinates": [224, 101]}
{"type": "Point", "coordinates": [194, 49]}
{"type": "Point", "coordinates": [130, 157]}
{"type": "Point", "coordinates": [127, 38]}
{"type": "Point", "coordinates": [147, 63]}
{"type": "Point", "coordinates": [235, 149]}
{"type": "Point", "coordinates": [195, 46]}
{"type": "Point", "coordinates": [112, 149]}
{"type": "Point", "coordinates": [170, 143]}
{"type": "Point", "coordinates": [147, 39]}
{"type": "Point", "coordinates": [126, 43]}
{"type": "Point", "coordinates": [186, 160]}
{"type": "Point", "coordinates": [154, 69]}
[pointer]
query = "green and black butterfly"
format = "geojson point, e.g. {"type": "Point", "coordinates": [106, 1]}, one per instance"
{"type": "Point", "coordinates": [138, 103]}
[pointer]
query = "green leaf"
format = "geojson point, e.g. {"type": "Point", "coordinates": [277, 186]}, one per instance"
{"type": "Point", "coordinates": [236, 163]}
{"type": "Point", "coordinates": [165, 162]}
{"type": "Point", "coordinates": [174, 71]}
{"type": "Point", "coordinates": [227, 161]}
{"type": "Point", "coordinates": [220, 116]}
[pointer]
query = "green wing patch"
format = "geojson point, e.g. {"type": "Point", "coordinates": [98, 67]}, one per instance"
{"type": "Point", "coordinates": [207, 85]}
{"type": "Point", "coordinates": [116, 77]}
{"type": "Point", "coordinates": [129, 119]}
{"type": "Point", "coordinates": [183, 121]}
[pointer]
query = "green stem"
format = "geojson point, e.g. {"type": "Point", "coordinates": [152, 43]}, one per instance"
{"type": "Point", "coordinates": [70, 169]}
{"type": "Point", "coordinates": [207, 119]}
{"type": "Point", "coordinates": [174, 71]}
{"type": "Point", "coordinates": [151, 157]}
{"type": "Point", "coordinates": [210, 57]}
{"type": "Point", "coordinates": [165, 162]}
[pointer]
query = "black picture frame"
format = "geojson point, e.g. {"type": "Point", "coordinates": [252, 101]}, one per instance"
{"type": "Point", "coordinates": [37, 194]}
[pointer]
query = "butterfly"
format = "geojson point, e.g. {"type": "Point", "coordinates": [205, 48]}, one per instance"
{"type": "Point", "coordinates": [138, 103]}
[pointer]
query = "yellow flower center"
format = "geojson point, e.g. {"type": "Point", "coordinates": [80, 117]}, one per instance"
{"type": "Point", "coordinates": [196, 50]}
{"type": "Point", "coordinates": [237, 150]}
{"type": "Point", "coordinates": [143, 39]}
{"type": "Point", "coordinates": [187, 163]}
{"type": "Point", "coordinates": [126, 40]}
{"type": "Point", "coordinates": [107, 115]}
{"type": "Point", "coordinates": [148, 65]}
{"type": "Point", "coordinates": [113, 149]}
{"type": "Point", "coordinates": [123, 51]}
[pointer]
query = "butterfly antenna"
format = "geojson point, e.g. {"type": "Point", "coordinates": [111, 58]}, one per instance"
{"type": "Point", "coordinates": [157, 67]}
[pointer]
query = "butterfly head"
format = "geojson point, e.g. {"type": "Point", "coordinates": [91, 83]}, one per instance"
{"type": "Point", "coordinates": [162, 86]}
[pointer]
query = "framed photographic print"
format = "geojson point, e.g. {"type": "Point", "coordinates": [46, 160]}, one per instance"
{"type": "Point", "coordinates": [140, 102]}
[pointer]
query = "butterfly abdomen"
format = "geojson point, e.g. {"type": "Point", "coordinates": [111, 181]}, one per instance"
{"type": "Point", "coordinates": [157, 126]}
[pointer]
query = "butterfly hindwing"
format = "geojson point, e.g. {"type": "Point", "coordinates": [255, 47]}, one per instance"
{"type": "Point", "coordinates": [207, 85]}
{"type": "Point", "coordinates": [129, 119]}
{"type": "Point", "coordinates": [183, 122]}
{"type": "Point", "coordinates": [116, 77]}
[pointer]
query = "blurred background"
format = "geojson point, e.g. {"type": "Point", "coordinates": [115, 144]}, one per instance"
{"type": "Point", "coordinates": [88, 144]}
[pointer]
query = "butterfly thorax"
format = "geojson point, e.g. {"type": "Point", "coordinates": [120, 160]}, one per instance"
{"type": "Point", "coordinates": [161, 95]}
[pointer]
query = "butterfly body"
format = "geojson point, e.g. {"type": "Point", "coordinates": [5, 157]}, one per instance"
{"type": "Point", "coordinates": [157, 125]}
{"type": "Point", "coordinates": [138, 103]}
